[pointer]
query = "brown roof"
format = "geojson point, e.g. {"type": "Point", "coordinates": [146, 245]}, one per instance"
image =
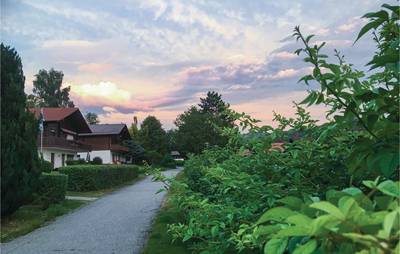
{"type": "Point", "coordinates": [53, 114]}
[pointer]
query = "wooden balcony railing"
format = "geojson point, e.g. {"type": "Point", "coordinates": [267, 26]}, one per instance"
{"type": "Point", "coordinates": [62, 143]}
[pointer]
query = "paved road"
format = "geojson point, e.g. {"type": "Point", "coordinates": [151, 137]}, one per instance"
{"type": "Point", "coordinates": [115, 224]}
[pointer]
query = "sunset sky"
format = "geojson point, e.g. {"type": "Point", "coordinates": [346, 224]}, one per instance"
{"type": "Point", "coordinates": [156, 57]}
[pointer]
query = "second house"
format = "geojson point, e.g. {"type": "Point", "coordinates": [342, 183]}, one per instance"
{"type": "Point", "coordinates": [106, 141]}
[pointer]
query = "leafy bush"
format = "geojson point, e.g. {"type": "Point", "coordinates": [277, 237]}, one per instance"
{"type": "Point", "coordinates": [97, 161]}
{"type": "Point", "coordinates": [45, 166]}
{"type": "Point", "coordinates": [347, 222]}
{"type": "Point", "coordinates": [153, 157]}
{"type": "Point", "coordinates": [314, 196]}
{"type": "Point", "coordinates": [179, 163]}
{"type": "Point", "coordinates": [76, 162]}
{"type": "Point", "coordinates": [52, 188]}
{"type": "Point", "coordinates": [168, 161]}
{"type": "Point", "coordinates": [96, 177]}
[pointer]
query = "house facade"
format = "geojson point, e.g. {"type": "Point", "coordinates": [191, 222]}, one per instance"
{"type": "Point", "coordinates": [61, 130]}
{"type": "Point", "coordinates": [106, 141]}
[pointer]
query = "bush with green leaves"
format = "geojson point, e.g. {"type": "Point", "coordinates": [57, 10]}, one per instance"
{"type": "Point", "coordinates": [347, 221]}
{"type": "Point", "coordinates": [97, 177]}
{"type": "Point", "coordinates": [76, 162]}
{"type": "Point", "coordinates": [45, 166]}
{"type": "Point", "coordinates": [52, 188]}
{"type": "Point", "coordinates": [317, 195]}
{"type": "Point", "coordinates": [168, 161]}
{"type": "Point", "coordinates": [96, 161]}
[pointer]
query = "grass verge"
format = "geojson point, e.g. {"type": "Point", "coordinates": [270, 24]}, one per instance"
{"type": "Point", "coordinates": [100, 193]}
{"type": "Point", "coordinates": [29, 217]}
{"type": "Point", "coordinates": [159, 241]}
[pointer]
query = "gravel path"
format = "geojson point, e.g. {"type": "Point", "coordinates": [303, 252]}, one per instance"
{"type": "Point", "coordinates": [115, 224]}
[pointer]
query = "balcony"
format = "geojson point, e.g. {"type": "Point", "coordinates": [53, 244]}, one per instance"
{"type": "Point", "coordinates": [64, 144]}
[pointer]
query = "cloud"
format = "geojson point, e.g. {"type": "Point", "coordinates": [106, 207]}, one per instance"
{"type": "Point", "coordinates": [94, 67]}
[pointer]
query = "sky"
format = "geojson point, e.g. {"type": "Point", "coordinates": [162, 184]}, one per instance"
{"type": "Point", "coordinates": [127, 58]}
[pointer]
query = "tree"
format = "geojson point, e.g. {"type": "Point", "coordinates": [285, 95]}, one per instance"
{"type": "Point", "coordinates": [19, 156]}
{"type": "Point", "coordinates": [201, 127]}
{"type": "Point", "coordinates": [92, 118]}
{"type": "Point", "coordinates": [47, 91]}
{"type": "Point", "coordinates": [133, 129]}
{"type": "Point", "coordinates": [135, 151]}
{"type": "Point", "coordinates": [152, 136]}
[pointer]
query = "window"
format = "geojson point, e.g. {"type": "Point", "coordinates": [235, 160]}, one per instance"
{"type": "Point", "coordinates": [70, 137]}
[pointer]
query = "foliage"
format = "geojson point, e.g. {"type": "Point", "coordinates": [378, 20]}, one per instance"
{"type": "Point", "coordinates": [153, 157]}
{"type": "Point", "coordinates": [92, 118]}
{"type": "Point", "coordinates": [152, 136]}
{"type": "Point", "coordinates": [316, 195]}
{"type": "Point", "coordinates": [168, 161]}
{"type": "Point", "coordinates": [96, 161]}
{"type": "Point", "coordinates": [347, 222]}
{"type": "Point", "coordinates": [97, 177]}
{"type": "Point", "coordinates": [52, 188]}
{"type": "Point", "coordinates": [135, 151]}
{"type": "Point", "coordinates": [133, 129]}
{"type": "Point", "coordinates": [76, 162]}
{"type": "Point", "coordinates": [199, 127]}
{"type": "Point", "coordinates": [18, 136]}
{"type": "Point", "coordinates": [370, 104]}
{"type": "Point", "coordinates": [48, 91]}
{"type": "Point", "coordinates": [45, 166]}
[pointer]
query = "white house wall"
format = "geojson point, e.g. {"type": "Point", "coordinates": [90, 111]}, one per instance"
{"type": "Point", "coordinates": [57, 156]}
{"type": "Point", "coordinates": [105, 155]}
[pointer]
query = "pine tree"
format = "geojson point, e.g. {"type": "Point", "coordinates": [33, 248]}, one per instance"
{"type": "Point", "coordinates": [19, 157]}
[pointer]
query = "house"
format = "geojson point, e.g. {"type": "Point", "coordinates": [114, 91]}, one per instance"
{"type": "Point", "coordinates": [61, 129]}
{"type": "Point", "coordinates": [107, 143]}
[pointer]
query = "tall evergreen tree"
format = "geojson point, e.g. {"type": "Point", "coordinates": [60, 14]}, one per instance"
{"type": "Point", "coordinates": [199, 127]}
{"type": "Point", "coordinates": [152, 136]}
{"type": "Point", "coordinates": [47, 91]}
{"type": "Point", "coordinates": [19, 156]}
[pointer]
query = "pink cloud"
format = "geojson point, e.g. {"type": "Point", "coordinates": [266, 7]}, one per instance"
{"type": "Point", "coordinates": [94, 67]}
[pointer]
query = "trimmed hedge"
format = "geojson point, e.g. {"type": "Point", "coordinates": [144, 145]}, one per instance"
{"type": "Point", "coordinates": [97, 177]}
{"type": "Point", "coordinates": [52, 187]}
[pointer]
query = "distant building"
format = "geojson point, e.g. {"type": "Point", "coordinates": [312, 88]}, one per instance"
{"type": "Point", "coordinates": [106, 141]}
{"type": "Point", "coordinates": [61, 130]}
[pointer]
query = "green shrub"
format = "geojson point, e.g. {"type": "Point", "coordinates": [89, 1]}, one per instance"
{"type": "Point", "coordinates": [179, 163]}
{"type": "Point", "coordinates": [45, 166]}
{"type": "Point", "coordinates": [52, 188]}
{"type": "Point", "coordinates": [153, 157]}
{"type": "Point", "coordinates": [168, 161]}
{"type": "Point", "coordinates": [76, 162]}
{"type": "Point", "coordinates": [96, 161]}
{"type": "Point", "coordinates": [97, 177]}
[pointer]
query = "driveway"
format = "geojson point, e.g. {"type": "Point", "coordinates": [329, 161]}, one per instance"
{"type": "Point", "coordinates": [117, 223]}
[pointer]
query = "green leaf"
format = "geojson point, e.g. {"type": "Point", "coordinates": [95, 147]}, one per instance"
{"type": "Point", "coordinates": [324, 222]}
{"type": "Point", "coordinates": [371, 25]}
{"type": "Point", "coordinates": [276, 214]}
{"type": "Point", "coordinates": [214, 231]}
{"type": "Point", "coordinates": [267, 230]}
{"type": "Point", "coordinates": [390, 188]}
{"type": "Point", "coordinates": [350, 208]}
{"type": "Point", "coordinates": [303, 230]}
{"type": "Point", "coordinates": [299, 219]}
{"type": "Point", "coordinates": [276, 246]}
{"type": "Point", "coordinates": [329, 208]}
{"type": "Point", "coordinates": [306, 248]}
{"type": "Point", "coordinates": [292, 202]}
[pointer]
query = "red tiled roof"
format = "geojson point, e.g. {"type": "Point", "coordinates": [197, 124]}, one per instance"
{"type": "Point", "coordinates": [53, 114]}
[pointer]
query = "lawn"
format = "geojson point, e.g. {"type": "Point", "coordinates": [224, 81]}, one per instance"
{"type": "Point", "coordinates": [29, 217]}
{"type": "Point", "coordinates": [159, 241]}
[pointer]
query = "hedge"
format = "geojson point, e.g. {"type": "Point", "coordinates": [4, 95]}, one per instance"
{"type": "Point", "coordinates": [97, 177]}
{"type": "Point", "coordinates": [52, 187]}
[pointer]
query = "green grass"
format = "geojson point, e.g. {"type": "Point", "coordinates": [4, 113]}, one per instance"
{"type": "Point", "coordinates": [100, 193]}
{"type": "Point", "coordinates": [29, 217]}
{"type": "Point", "coordinates": [160, 242]}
